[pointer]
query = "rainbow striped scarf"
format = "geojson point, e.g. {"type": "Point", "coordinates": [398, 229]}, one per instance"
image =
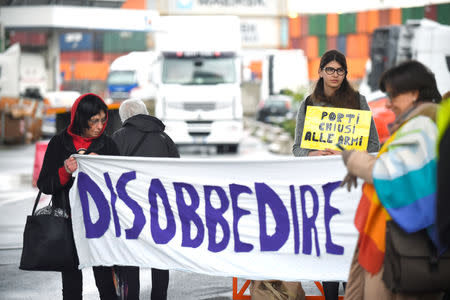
{"type": "Point", "coordinates": [403, 189]}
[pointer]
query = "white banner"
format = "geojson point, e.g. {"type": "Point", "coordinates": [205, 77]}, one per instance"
{"type": "Point", "coordinates": [282, 219]}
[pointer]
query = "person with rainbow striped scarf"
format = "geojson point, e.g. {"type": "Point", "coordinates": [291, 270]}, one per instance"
{"type": "Point", "coordinates": [400, 182]}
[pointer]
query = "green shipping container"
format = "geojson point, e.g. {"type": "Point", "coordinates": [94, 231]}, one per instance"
{"type": "Point", "coordinates": [443, 13]}
{"type": "Point", "coordinates": [347, 23]}
{"type": "Point", "coordinates": [317, 24]}
{"type": "Point", "coordinates": [413, 13]}
{"type": "Point", "coordinates": [322, 45]}
{"type": "Point", "coordinates": [124, 41]}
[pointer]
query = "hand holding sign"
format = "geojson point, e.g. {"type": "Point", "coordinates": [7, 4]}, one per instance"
{"type": "Point", "coordinates": [327, 126]}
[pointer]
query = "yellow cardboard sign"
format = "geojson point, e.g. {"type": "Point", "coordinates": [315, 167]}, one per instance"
{"type": "Point", "coordinates": [327, 126]}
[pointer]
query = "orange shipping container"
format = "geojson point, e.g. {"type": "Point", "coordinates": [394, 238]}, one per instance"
{"type": "Point", "coordinates": [294, 27]}
{"type": "Point", "coordinates": [362, 22]}
{"type": "Point", "coordinates": [358, 46]}
{"type": "Point", "coordinates": [373, 20]}
{"type": "Point", "coordinates": [395, 16]}
{"type": "Point", "coordinates": [312, 46]}
{"type": "Point", "coordinates": [313, 68]}
{"type": "Point", "coordinates": [332, 24]}
{"type": "Point", "coordinates": [91, 70]}
{"type": "Point", "coordinates": [64, 68]}
{"type": "Point", "coordinates": [84, 70]}
{"type": "Point", "coordinates": [356, 68]}
{"type": "Point", "coordinates": [135, 4]}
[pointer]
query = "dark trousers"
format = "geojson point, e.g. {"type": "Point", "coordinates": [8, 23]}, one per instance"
{"type": "Point", "coordinates": [130, 276]}
{"type": "Point", "coordinates": [72, 283]}
{"type": "Point", "coordinates": [331, 289]}
{"type": "Point", "coordinates": [160, 283]}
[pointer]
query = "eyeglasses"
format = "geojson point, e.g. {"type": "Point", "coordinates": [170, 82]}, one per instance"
{"type": "Point", "coordinates": [331, 70]}
{"type": "Point", "coordinates": [96, 121]}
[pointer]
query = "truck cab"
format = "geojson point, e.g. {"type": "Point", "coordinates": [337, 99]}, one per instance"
{"type": "Point", "coordinates": [198, 80]}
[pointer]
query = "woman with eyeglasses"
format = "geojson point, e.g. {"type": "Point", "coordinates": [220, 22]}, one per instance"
{"type": "Point", "coordinates": [332, 90]}
{"type": "Point", "coordinates": [400, 183]}
{"type": "Point", "coordinates": [84, 135]}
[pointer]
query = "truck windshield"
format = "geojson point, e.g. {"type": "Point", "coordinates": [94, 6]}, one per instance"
{"type": "Point", "coordinates": [198, 70]}
{"type": "Point", "coordinates": [122, 77]}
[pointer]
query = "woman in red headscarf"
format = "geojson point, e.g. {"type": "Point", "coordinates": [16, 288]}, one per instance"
{"type": "Point", "coordinates": [84, 135]}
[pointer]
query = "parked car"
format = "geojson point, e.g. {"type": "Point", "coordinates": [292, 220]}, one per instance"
{"type": "Point", "coordinates": [274, 109]}
{"type": "Point", "coordinates": [381, 115]}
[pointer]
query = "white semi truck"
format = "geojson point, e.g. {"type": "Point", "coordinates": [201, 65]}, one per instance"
{"type": "Point", "coordinates": [198, 79]}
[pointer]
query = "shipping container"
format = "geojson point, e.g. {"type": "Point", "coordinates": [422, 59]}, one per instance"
{"type": "Point", "coordinates": [312, 46]}
{"type": "Point", "coordinates": [332, 42]}
{"type": "Point", "coordinates": [24, 38]}
{"type": "Point", "coordinates": [362, 20]}
{"type": "Point", "coordinates": [347, 23]}
{"type": "Point", "coordinates": [294, 27]}
{"type": "Point", "coordinates": [76, 41]}
{"type": "Point", "coordinates": [332, 24]}
{"type": "Point", "coordinates": [357, 45]}
{"type": "Point", "coordinates": [317, 24]}
{"type": "Point", "coordinates": [383, 17]}
{"type": "Point", "coordinates": [322, 45]}
{"type": "Point", "coordinates": [124, 41]}
{"type": "Point", "coordinates": [110, 57]}
{"type": "Point", "coordinates": [304, 26]}
{"type": "Point", "coordinates": [313, 68]}
{"type": "Point", "coordinates": [373, 20]}
{"type": "Point", "coordinates": [356, 68]}
{"type": "Point", "coordinates": [431, 12]}
{"type": "Point", "coordinates": [443, 13]}
{"type": "Point", "coordinates": [414, 13]}
{"type": "Point", "coordinates": [91, 71]}
{"type": "Point", "coordinates": [302, 43]}
{"type": "Point", "coordinates": [395, 16]}
{"type": "Point", "coordinates": [77, 56]}
{"type": "Point", "coordinates": [342, 43]}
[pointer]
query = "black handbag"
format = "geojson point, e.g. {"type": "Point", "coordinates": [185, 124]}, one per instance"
{"type": "Point", "coordinates": [412, 264]}
{"type": "Point", "coordinates": [48, 243]}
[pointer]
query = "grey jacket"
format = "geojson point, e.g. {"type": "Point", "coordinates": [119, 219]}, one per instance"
{"type": "Point", "coordinates": [373, 144]}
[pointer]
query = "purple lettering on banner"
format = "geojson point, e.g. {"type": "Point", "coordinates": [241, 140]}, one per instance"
{"type": "Point", "coordinates": [187, 214]}
{"type": "Point", "coordinates": [309, 222]}
{"type": "Point", "coordinates": [87, 185]}
{"type": "Point", "coordinates": [235, 191]}
{"type": "Point", "coordinates": [139, 218]}
{"type": "Point", "coordinates": [295, 220]}
{"type": "Point", "coordinates": [329, 212]}
{"type": "Point", "coordinates": [113, 203]}
{"type": "Point", "coordinates": [267, 196]}
{"type": "Point", "coordinates": [160, 236]}
{"type": "Point", "coordinates": [214, 217]}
